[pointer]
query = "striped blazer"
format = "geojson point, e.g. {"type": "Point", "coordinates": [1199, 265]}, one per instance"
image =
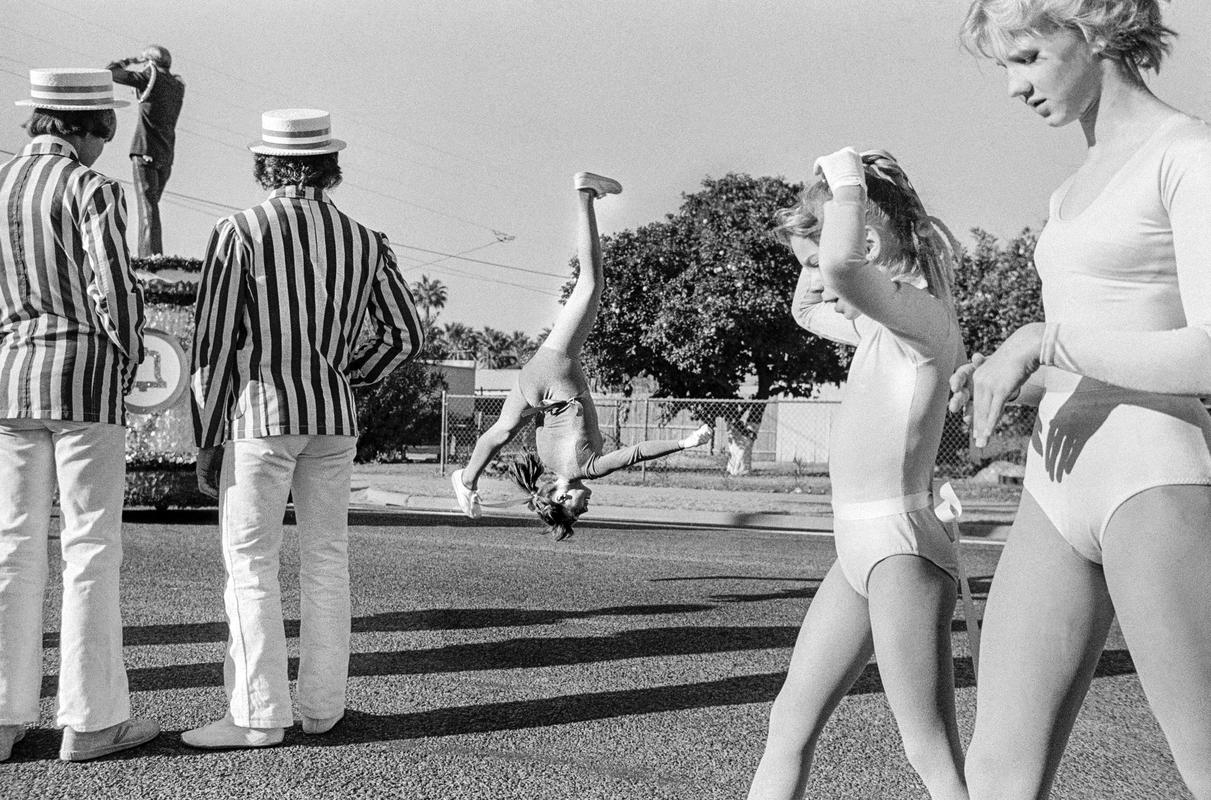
{"type": "Point", "coordinates": [285, 290]}
{"type": "Point", "coordinates": [71, 309]}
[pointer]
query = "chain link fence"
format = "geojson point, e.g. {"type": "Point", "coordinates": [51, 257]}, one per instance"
{"type": "Point", "coordinates": [750, 435]}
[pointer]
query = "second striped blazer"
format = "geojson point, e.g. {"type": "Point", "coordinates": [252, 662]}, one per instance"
{"type": "Point", "coordinates": [71, 309]}
{"type": "Point", "coordinates": [286, 287]}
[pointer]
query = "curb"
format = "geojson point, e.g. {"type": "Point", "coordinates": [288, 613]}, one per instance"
{"type": "Point", "coordinates": [783, 522]}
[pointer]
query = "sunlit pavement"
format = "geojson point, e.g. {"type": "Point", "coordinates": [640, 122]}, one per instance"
{"type": "Point", "coordinates": [490, 662]}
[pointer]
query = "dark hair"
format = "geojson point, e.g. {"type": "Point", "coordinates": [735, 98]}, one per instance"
{"type": "Point", "coordinates": [276, 172]}
{"type": "Point", "coordinates": [925, 246]}
{"type": "Point", "coordinates": [527, 471]}
{"type": "Point", "coordinates": [102, 123]}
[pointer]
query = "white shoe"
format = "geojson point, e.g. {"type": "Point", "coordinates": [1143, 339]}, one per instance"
{"type": "Point", "coordinates": [87, 745]}
{"type": "Point", "coordinates": [224, 734]}
{"type": "Point", "coordinates": [9, 736]}
{"type": "Point", "coordinates": [600, 184]}
{"type": "Point", "coordinates": [698, 437]}
{"type": "Point", "coordinates": [468, 499]}
{"type": "Point", "coordinates": [317, 725]}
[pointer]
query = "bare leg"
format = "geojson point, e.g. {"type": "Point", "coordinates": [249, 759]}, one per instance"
{"type": "Point", "coordinates": [833, 647]}
{"type": "Point", "coordinates": [576, 318]}
{"type": "Point", "coordinates": [1044, 628]}
{"type": "Point", "coordinates": [1157, 552]}
{"type": "Point", "coordinates": [912, 602]}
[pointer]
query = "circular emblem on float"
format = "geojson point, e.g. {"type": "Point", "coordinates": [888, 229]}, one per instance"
{"type": "Point", "coordinates": [163, 375]}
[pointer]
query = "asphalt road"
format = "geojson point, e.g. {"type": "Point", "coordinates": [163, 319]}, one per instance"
{"type": "Point", "coordinates": [489, 662]}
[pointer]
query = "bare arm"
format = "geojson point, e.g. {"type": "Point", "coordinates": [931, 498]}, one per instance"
{"type": "Point", "coordinates": [512, 418]}
{"type": "Point", "coordinates": [911, 313]}
{"type": "Point", "coordinates": [810, 312]}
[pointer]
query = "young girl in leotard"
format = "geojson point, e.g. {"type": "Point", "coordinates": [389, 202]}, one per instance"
{"type": "Point", "coordinates": [553, 389]}
{"type": "Point", "coordinates": [876, 274]}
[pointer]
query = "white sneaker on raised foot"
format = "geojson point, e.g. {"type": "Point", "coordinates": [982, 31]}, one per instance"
{"type": "Point", "coordinates": [224, 734]}
{"type": "Point", "coordinates": [468, 499]}
{"type": "Point", "coordinates": [700, 436]}
{"type": "Point", "coordinates": [600, 184]}
{"type": "Point", "coordinates": [317, 725]}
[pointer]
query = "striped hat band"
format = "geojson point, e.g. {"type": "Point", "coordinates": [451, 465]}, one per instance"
{"type": "Point", "coordinates": [305, 131]}
{"type": "Point", "coordinates": [71, 89]}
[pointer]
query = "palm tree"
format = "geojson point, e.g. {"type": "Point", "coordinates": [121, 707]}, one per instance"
{"type": "Point", "coordinates": [494, 349]}
{"type": "Point", "coordinates": [521, 347]}
{"type": "Point", "coordinates": [431, 296]}
{"type": "Point", "coordinates": [461, 340]}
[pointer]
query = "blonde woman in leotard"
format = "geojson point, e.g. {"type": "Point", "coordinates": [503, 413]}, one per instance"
{"type": "Point", "coordinates": [1116, 509]}
{"type": "Point", "coordinates": [552, 389]}
{"type": "Point", "coordinates": [876, 275]}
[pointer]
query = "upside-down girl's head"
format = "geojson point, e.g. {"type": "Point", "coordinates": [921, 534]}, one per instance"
{"type": "Point", "coordinates": [915, 247]}
{"type": "Point", "coordinates": [557, 502]}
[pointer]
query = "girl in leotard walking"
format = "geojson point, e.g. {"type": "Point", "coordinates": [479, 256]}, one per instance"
{"type": "Point", "coordinates": [876, 274]}
{"type": "Point", "coordinates": [553, 389]}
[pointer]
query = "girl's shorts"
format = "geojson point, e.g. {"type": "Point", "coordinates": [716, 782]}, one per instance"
{"type": "Point", "coordinates": [864, 539]}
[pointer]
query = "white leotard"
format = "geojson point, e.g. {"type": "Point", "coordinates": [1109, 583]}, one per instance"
{"type": "Point", "coordinates": [1128, 282]}
{"type": "Point", "coordinates": [885, 436]}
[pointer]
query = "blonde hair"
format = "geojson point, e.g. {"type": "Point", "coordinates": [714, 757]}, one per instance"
{"type": "Point", "coordinates": [925, 248]}
{"type": "Point", "coordinates": [1130, 31]}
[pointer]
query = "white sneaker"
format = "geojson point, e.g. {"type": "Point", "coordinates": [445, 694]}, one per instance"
{"type": "Point", "coordinates": [87, 745]}
{"type": "Point", "coordinates": [698, 437]}
{"type": "Point", "coordinates": [317, 725]}
{"type": "Point", "coordinates": [224, 734]}
{"type": "Point", "coordinates": [600, 184]}
{"type": "Point", "coordinates": [468, 499]}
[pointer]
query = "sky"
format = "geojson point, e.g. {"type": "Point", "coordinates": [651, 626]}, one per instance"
{"type": "Point", "coordinates": [466, 120]}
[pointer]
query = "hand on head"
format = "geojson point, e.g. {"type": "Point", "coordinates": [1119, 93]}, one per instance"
{"type": "Point", "coordinates": [842, 168]}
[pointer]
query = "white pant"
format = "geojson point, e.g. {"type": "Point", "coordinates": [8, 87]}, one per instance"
{"type": "Point", "coordinates": [89, 459]}
{"type": "Point", "coordinates": [258, 475]}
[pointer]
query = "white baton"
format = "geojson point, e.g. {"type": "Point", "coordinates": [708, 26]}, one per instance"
{"type": "Point", "coordinates": [949, 511]}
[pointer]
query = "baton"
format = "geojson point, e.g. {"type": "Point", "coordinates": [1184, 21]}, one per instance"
{"type": "Point", "coordinates": [948, 512]}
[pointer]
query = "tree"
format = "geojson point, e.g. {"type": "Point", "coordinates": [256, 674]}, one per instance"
{"type": "Point", "coordinates": [460, 340]}
{"type": "Point", "coordinates": [403, 409]}
{"type": "Point", "coordinates": [431, 295]}
{"type": "Point", "coordinates": [701, 301]}
{"type": "Point", "coordinates": [494, 349]}
{"type": "Point", "coordinates": [997, 290]}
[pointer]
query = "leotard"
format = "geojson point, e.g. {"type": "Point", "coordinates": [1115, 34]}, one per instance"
{"type": "Point", "coordinates": [885, 436]}
{"type": "Point", "coordinates": [1136, 260]}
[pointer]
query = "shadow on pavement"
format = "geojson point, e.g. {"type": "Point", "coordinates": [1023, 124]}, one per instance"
{"type": "Point", "coordinates": [436, 619]}
{"type": "Point", "coordinates": [360, 727]}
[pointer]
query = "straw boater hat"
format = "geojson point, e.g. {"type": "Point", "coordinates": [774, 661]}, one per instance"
{"type": "Point", "coordinates": [296, 132]}
{"type": "Point", "coordinates": [72, 90]}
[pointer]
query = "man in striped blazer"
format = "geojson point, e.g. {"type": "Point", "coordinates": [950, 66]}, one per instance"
{"type": "Point", "coordinates": [71, 337]}
{"type": "Point", "coordinates": [285, 290]}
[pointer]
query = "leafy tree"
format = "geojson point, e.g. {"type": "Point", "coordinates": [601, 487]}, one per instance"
{"type": "Point", "coordinates": [997, 290]}
{"type": "Point", "coordinates": [400, 411]}
{"type": "Point", "coordinates": [701, 301]}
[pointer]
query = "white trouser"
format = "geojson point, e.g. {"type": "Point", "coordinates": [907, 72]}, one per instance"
{"type": "Point", "coordinates": [89, 459]}
{"type": "Point", "coordinates": [258, 475]}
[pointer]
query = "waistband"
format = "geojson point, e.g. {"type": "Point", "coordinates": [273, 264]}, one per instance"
{"type": "Point", "coordinates": [873, 509]}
